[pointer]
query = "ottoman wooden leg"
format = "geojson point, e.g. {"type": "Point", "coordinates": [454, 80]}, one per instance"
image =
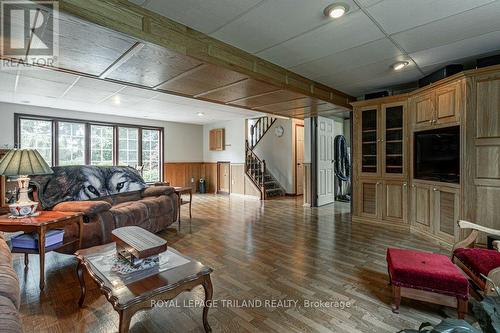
{"type": "Point", "coordinates": [462, 306]}
{"type": "Point", "coordinates": [396, 298]}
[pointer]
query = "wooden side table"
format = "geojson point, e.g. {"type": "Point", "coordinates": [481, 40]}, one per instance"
{"type": "Point", "coordinates": [180, 191]}
{"type": "Point", "coordinates": [40, 224]}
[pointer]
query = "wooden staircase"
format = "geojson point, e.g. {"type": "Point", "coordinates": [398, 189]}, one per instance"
{"type": "Point", "coordinates": [255, 168]}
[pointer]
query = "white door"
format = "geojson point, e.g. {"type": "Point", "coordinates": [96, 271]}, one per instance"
{"type": "Point", "coordinates": [326, 194]}
{"type": "Point", "coordinates": [299, 149]}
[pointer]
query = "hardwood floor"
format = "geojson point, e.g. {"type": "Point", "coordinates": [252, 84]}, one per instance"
{"type": "Point", "coordinates": [273, 250]}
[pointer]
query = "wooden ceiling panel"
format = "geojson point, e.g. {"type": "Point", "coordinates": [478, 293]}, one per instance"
{"type": "Point", "coordinates": [202, 79]}
{"type": "Point", "coordinates": [153, 65]}
{"type": "Point", "coordinates": [267, 98]}
{"type": "Point", "coordinates": [238, 90]}
{"type": "Point", "coordinates": [88, 48]}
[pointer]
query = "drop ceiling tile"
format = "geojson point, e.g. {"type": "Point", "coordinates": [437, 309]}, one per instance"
{"type": "Point", "coordinates": [370, 77]}
{"type": "Point", "coordinates": [347, 32]}
{"type": "Point", "coordinates": [399, 15]}
{"type": "Point", "coordinates": [153, 65]}
{"type": "Point", "coordinates": [98, 85]}
{"type": "Point", "coordinates": [49, 75]}
{"type": "Point", "coordinates": [138, 92]}
{"type": "Point", "coordinates": [368, 3]}
{"type": "Point", "coordinates": [78, 40]}
{"type": "Point", "coordinates": [202, 15]}
{"type": "Point", "coordinates": [274, 22]}
{"type": "Point", "coordinates": [470, 24]}
{"type": "Point", "coordinates": [123, 99]}
{"type": "Point", "coordinates": [466, 48]}
{"type": "Point", "coordinates": [39, 87]}
{"type": "Point", "coordinates": [8, 79]}
{"type": "Point", "coordinates": [348, 59]}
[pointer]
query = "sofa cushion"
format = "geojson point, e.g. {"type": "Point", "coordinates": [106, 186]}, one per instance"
{"type": "Point", "coordinates": [9, 286]}
{"type": "Point", "coordinates": [158, 208]}
{"type": "Point", "coordinates": [125, 197]}
{"type": "Point", "coordinates": [426, 271]}
{"type": "Point", "coordinates": [154, 191]}
{"type": "Point", "coordinates": [479, 261]}
{"type": "Point", "coordinates": [9, 317]}
{"type": "Point", "coordinates": [130, 213]}
{"type": "Point", "coordinates": [86, 207]}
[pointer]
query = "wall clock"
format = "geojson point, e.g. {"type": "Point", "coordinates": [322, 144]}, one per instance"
{"type": "Point", "coordinates": [279, 131]}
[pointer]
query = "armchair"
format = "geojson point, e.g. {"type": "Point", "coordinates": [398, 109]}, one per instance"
{"type": "Point", "coordinates": [478, 263]}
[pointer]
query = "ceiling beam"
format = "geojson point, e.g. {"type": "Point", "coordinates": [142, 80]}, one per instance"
{"type": "Point", "coordinates": [133, 20]}
{"type": "Point", "coordinates": [181, 75]}
{"type": "Point", "coordinates": [220, 88]}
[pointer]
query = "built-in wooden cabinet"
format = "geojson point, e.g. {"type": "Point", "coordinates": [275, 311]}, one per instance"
{"type": "Point", "coordinates": [395, 201]}
{"type": "Point", "coordinates": [469, 100]}
{"type": "Point", "coordinates": [435, 209]}
{"type": "Point", "coordinates": [216, 139]}
{"type": "Point", "coordinates": [370, 194]}
{"type": "Point", "coordinates": [381, 161]}
{"type": "Point", "coordinates": [436, 107]}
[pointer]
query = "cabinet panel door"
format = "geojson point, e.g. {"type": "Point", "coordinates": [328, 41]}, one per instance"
{"type": "Point", "coordinates": [369, 198]}
{"type": "Point", "coordinates": [421, 207]}
{"type": "Point", "coordinates": [448, 103]}
{"type": "Point", "coordinates": [369, 142]}
{"type": "Point", "coordinates": [395, 201]}
{"type": "Point", "coordinates": [394, 140]}
{"type": "Point", "coordinates": [446, 212]}
{"type": "Point", "coordinates": [423, 109]}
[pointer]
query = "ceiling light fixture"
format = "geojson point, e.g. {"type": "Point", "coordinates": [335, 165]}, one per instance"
{"type": "Point", "coordinates": [116, 100]}
{"type": "Point", "coordinates": [336, 10]}
{"type": "Point", "coordinates": [400, 65]}
{"type": "Point", "coordinates": [200, 114]}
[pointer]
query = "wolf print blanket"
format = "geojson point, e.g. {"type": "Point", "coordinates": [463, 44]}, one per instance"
{"type": "Point", "coordinates": [82, 182]}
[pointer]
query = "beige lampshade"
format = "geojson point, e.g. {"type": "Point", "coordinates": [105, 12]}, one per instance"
{"type": "Point", "coordinates": [25, 162]}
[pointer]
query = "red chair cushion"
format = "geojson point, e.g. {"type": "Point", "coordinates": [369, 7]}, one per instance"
{"type": "Point", "coordinates": [426, 271]}
{"type": "Point", "coordinates": [479, 261]}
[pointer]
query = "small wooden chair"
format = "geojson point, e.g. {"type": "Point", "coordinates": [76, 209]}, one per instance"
{"type": "Point", "coordinates": [478, 263]}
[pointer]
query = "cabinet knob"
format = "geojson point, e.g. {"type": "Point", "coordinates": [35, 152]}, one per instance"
{"type": "Point", "coordinates": [413, 186]}
{"type": "Point", "coordinates": [378, 183]}
{"type": "Point", "coordinates": [404, 184]}
{"type": "Point", "coordinates": [430, 121]}
{"type": "Point", "coordinates": [382, 140]}
{"type": "Point", "coordinates": [434, 189]}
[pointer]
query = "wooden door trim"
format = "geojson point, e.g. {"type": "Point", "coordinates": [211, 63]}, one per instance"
{"type": "Point", "coordinates": [295, 158]}
{"type": "Point", "coordinates": [217, 190]}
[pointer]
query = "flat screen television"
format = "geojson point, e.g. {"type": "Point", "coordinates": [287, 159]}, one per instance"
{"type": "Point", "coordinates": [437, 155]}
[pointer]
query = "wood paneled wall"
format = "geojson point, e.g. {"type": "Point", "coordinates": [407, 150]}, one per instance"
{"type": "Point", "coordinates": [181, 174]}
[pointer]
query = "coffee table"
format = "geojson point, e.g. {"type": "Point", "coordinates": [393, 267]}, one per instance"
{"type": "Point", "coordinates": [139, 295]}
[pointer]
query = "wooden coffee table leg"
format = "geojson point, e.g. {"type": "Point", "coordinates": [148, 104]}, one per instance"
{"type": "Point", "coordinates": [41, 253]}
{"type": "Point", "coordinates": [396, 298]}
{"type": "Point", "coordinates": [81, 278]}
{"type": "Point", "coordinates": [125, 318]}
{"type": "Point", "coordinates": [207, 285]}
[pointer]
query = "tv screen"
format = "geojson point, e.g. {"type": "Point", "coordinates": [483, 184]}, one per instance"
{"type": "Point", "coordinates": [437, 155]}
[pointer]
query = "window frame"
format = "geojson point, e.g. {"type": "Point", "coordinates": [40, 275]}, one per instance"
{"type": "Point", "coordinates": [87, 158]}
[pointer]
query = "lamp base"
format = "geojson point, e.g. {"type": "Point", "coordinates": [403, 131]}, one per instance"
{"type": "Point", "coordinates": [23, 209]}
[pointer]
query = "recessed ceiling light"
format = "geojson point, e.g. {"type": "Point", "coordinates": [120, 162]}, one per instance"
{"type": "Point", "coordinates": [116, 100]}
{"type": "Point", "coordinates": [400, 65]}
{"type": "Point", "coordinates": [200, 114]}
{"type": "Point", "coordinates": [336, 10]}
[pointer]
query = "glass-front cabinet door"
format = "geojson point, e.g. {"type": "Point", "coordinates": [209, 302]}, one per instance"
{"type": "Point", "coordinates": [369, 142]}
{"type": "Point", "coordinates": [393, 140]}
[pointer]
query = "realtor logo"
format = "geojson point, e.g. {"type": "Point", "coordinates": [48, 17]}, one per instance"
{"type": "Point", "coordinates": [29, 34]}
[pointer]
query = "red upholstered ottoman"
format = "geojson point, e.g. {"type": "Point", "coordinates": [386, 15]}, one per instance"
{"type": "Point", "coordinates": [427, 277]}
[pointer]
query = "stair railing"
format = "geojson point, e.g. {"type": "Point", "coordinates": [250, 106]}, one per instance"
{"type": "Point", "coordinates": [255, 168]}
{"type": "Point", "coordinates": [259, 129]}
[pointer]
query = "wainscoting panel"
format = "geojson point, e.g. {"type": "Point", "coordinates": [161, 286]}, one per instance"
{"type": "Point", "coordinates": [181, 174]}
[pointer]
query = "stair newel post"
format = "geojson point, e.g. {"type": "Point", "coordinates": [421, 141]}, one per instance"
{"type": "Point", "coordinates": [252, 131]}
{"type": "Point", "coordinates": [263, 179]}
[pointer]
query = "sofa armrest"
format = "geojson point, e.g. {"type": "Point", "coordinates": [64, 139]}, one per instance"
{"type": "Point", "coordinates": [154, 191]}
{"type": "Point", "coordinates": [85, 207]}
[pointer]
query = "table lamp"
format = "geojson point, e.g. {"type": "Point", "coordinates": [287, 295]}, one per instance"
{"type": "Point", "coordinates": [21, 163]}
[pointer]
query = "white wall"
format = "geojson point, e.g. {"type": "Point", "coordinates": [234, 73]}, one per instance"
{"type": "Point", "coordinates": [234, 151]}
{"type": "Point", "coordinates": [183, 142]}
{"type": "Point", "coordinates": [279, 153]}
{"type": "Point", "coordinates": [307, 140]}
